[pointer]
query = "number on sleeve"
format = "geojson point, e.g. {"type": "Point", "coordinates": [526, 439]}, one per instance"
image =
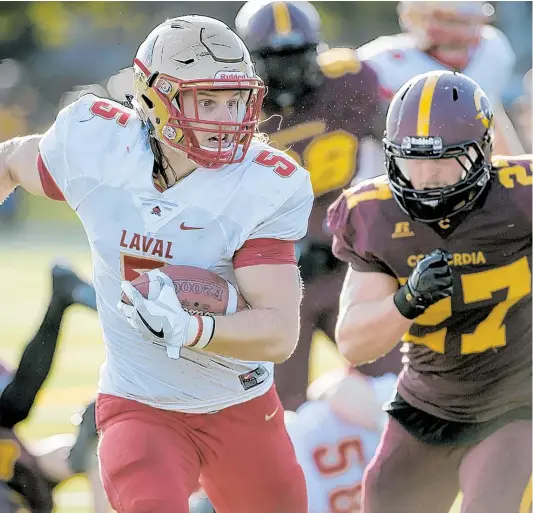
{"type": "Point", "coordinates": [282, 166]}
{"type": "Point", "coordinates": [105, 110]}
{"type": "Point", "coordinates": [510, 176]}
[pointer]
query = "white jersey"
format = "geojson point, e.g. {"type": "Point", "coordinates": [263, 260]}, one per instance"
{"type": "Point", "coordinates": [334, 453]}
{"type": "Point", "coordinates": [100, 158]}
{"type": "Point", "coordinates": [396, 59]}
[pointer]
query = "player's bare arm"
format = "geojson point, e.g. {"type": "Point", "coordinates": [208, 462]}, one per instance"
{"type": "Point", "coordinates": [381, 314]}
{"type": "Point", "coordinates": [269, 330]}
{"type": "Point", "coordinates": [18, 166]}
{"type": "Point", "coordinates": [369, 323]}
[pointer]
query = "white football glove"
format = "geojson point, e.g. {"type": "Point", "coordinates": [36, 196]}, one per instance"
{"type": "Point", "coordinates": [162, 320]}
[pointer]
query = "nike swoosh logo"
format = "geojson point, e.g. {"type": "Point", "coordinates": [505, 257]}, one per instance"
{"type": "Point", "coordinates": [184, 227]}
{"type": "Point", "coordinates": [268, 417]}
{"type": "Point", "coordinates": [159, 334]}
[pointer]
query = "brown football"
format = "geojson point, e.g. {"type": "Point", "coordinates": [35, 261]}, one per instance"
{"type": "Point", "coordinates": [200, 291]}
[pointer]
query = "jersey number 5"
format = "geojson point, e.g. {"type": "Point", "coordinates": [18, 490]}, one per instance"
{"type": "Point", "coordinates": [282, 166]}
{"type": "Point", "coordinates": [105, 110]}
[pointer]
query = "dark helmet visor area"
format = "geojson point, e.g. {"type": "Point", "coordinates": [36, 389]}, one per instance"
{"type": "Point", "coordinates": [289, 72]}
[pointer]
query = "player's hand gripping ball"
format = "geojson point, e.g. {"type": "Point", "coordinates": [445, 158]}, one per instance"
{"type": "Point", "coordinates": [167, 306]}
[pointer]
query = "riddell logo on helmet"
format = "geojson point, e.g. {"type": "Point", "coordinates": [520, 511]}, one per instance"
{"type": "Point", "coordinates": [231, 75]}
{"type": "Point", "coordinates": [431, 142]}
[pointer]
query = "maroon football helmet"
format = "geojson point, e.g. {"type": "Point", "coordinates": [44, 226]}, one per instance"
{"type": "Point", "coordinates": [283, 38]}
{"type": "Point", "coordinates": [439, 115]}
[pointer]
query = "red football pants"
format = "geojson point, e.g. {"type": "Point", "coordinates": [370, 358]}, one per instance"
{"type": "Point", "coordinates": [151, 459]}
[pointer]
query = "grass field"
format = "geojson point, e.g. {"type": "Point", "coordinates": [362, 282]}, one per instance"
{"type": "Point", "coordinates": [25, 284]}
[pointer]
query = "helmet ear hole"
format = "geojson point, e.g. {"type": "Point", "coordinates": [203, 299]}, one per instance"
{"type": "Point", "coordinates": [455, 94]}
{"type": "Point", "coordinates": [149, 104]}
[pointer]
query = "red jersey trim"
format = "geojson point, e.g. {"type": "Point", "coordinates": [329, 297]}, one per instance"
{"type": "Point", "coordinates": [49, 186]}
{"type": "Point", "coordinates": [265, 251]}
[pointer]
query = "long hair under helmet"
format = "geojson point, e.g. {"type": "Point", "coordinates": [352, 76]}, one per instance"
{"type": "Point", "coordinates": [439, 115]}
{"type": "Point", "coordinates": [192, 54]}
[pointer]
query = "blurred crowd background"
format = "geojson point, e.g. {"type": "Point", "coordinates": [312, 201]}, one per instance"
{"type": "Point", "coordinates": [51, 50]}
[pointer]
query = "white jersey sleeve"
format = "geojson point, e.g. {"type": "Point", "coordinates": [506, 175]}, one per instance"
{"type": "Point", "coordinates": [52, 148]}
{"type": "Point", "coordinates": [396, 59]}
{"type": "Point", "coordinates": [289, 222]}
{"type": "Point", "coordinates": [79, 148]}
{"type": "Point", "coordinates": [280, 198]}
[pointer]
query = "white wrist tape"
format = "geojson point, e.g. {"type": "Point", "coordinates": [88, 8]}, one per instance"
{"type": "Point", "coordinates": [200, 331]}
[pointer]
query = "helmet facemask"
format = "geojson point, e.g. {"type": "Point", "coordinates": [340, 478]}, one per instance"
{"type": "Point", "coordinates": [430, 205]}
{"type": "Point", "coordinates": [168, 122]}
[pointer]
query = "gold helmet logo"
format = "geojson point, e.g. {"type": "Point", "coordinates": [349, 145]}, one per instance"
{"type": "Point", "coordinates": [484, 109]}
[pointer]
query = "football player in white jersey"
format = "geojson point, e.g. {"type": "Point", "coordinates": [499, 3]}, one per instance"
{"type": "Point", "coordinates": [181, 178]}
{"type": "Point", "coordinates": [448, 35]}
{"type": "Point", "coordinates": [335, 435]}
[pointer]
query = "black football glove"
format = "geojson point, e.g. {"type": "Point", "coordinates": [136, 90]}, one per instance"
{"type": "Point", "coordinates": [430, 281]}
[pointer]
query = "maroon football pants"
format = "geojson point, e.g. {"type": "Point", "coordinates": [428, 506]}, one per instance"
{"type": "Point", "coordinates": [151, 459]}
{"type": "Point", "coordinates": [410, 476]}
{"type": "Point", "coordinates": [319, 310]}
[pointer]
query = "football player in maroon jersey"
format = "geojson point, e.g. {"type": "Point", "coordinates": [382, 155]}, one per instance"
{"type": "Point", "coordinates": [440, 256]}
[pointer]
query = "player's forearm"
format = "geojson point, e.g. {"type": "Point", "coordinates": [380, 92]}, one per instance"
{"type": "Point", "coordinates": [18, 166]}
{"type": "Point", "coordinates": [255, 335]}
{"type": "Point", "coordinates": [367, 331]}
{"type": "Point", "coordinates": [7, 182]}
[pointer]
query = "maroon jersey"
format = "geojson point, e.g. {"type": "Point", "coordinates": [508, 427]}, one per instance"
{"type": "Point", "coordinates": [323, 129]}
{"type": "Point", "coordinates": [19, 471]}
{"type": "Point", "coordinates": [468, 356]}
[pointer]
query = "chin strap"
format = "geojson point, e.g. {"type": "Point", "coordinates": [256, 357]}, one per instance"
{"type": "Point", "coordinates": [161, 164]}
